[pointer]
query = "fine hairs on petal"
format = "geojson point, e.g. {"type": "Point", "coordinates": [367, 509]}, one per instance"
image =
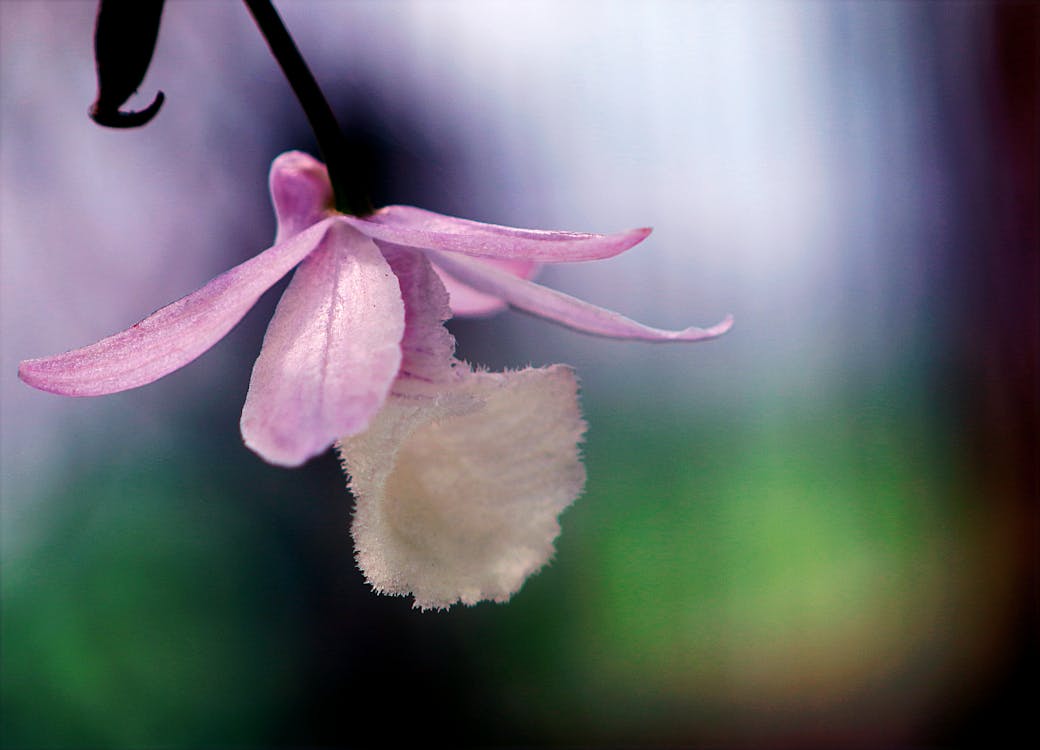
{"type": "Point", "coordinates": [458, 495]}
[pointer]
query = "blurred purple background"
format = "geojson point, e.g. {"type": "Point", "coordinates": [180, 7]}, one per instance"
{"type": "Point", "coordinates": [819, 530]}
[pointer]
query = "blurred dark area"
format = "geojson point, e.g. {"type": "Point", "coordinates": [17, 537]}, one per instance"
{"type": "Point", "coordinates": [798, 550]}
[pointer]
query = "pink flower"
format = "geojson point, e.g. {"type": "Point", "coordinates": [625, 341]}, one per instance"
{"type": "Point", "coordinates": [459, 475]}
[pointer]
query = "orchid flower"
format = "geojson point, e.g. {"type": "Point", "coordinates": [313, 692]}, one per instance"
{"type": "Point", "coordinates": [458, 474]}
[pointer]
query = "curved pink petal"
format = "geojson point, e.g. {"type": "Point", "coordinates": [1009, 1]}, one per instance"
{"type": "Point", "coordinates": [415, 227]}
{"type": "Point", "coordinates": [427, 348]}
{"type": "Point", "coordinates": [562, 308]}
{"type": "Point", "coordinates": [331, 352]}
{"type": "Point", "coordinates": [171, 337]}
{"type": "Point", "coordinates": [300, 191]}
{"type": "Point", "coordinates": [467, 301]}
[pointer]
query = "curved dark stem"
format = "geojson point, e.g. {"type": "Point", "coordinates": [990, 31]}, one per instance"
{"type": "Point", "coordinates": [124, 41]}
{"type": "Point", "coordinates": [349, 195]}
{"type": "Point", "coordinates": [116, 118]}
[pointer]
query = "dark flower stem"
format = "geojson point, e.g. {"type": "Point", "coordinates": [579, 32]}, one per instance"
{"type": "Point", "coordinates": [350, 196]}
{"type": "Point", "coordinates": [124, 41]}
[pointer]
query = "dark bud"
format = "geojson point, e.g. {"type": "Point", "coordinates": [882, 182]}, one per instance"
{"type": "Point", "coordinates": [123, 44]}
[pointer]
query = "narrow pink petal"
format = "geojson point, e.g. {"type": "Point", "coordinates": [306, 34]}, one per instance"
{"type": "Point", "coordinates": [414, 227]}
{"type": "Point", "coordinates": [300, 191]}
{"type": "Point", "coordinates": [171, 337]}
{"type": "Point", "coordinates": [562, 308]}
{"type": "Point", "coordinates": [331, 352]}
{"type": "Point", "coordinates": [467, 301]}
{"type": "Point", "coordinates": [427, 348]}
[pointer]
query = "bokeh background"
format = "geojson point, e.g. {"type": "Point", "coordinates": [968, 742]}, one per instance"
{"type": "Point", "coordinates": [818, 531]}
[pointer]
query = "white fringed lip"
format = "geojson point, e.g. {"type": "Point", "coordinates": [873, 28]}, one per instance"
{"type": "Point", "coordinates": [458, 495]}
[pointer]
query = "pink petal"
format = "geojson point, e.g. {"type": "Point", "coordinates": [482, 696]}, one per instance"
{"type": "Point", "coordinates": [467, 301]}
{"type": "Point", "coordinates": [331, 352]}
{"type": "Point", "coordinates": [427, 348]}
{"type": "Point", "coordinates": [414, 227]}
{"type": "Point", "coordinates": [173, 336]}
{"type": "Point", "coordinates": [301, 192]}
{"type": "Point", "coordinates": [562, 308]}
